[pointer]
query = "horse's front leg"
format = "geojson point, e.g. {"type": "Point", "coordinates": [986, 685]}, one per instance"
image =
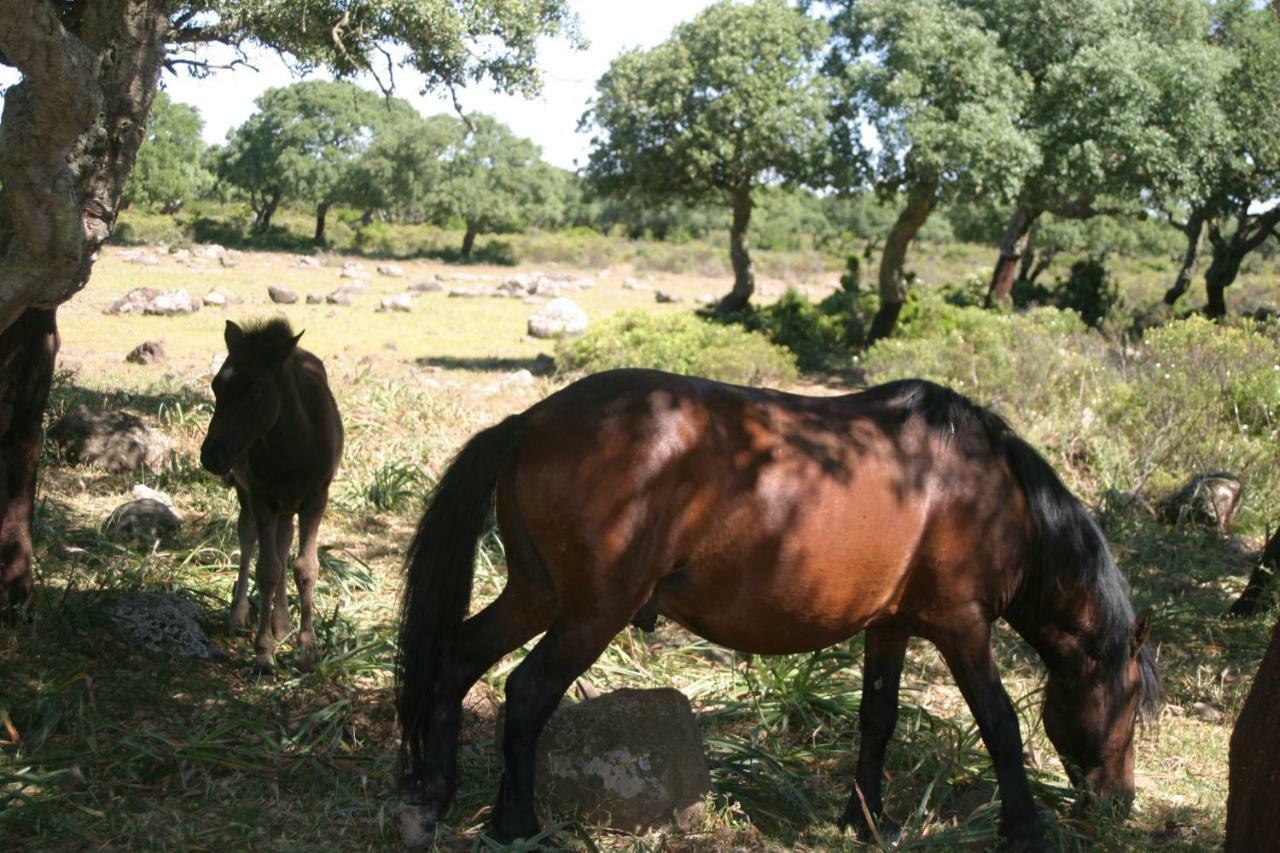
{"type": "Point", "coordinates": [270, 572]}
{"type": "Point", "coordinates": [280, 610]}
{"type": "Point", "coordinates": [877, 716]}
{"type": "Point", "coordinates": [247, 532]}
{"type": "Point", "coordinates": [973, 665]}
{"type": "Point", "coordinates": [306, 571]}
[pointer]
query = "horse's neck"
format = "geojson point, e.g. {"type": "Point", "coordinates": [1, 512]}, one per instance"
{"type": "Point", "coordinates": [293, 428]}
{"type": "Point", "coordinates": [1055, 628]}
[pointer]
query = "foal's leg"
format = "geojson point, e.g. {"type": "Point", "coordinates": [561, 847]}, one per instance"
{"type": "Point", "coordinates": [247, 530]}
{"type": "Point", "coordinates": [512, 619]}
{"type": "Point", "coordinates": [306, 570]}
{"type": "Point", "coordinates": [533, 692]}
{"type": "Point", "coordinates": [270, 572]}
{"type": "Point", "coordinates": [877, 716]}
{"type": "Point", "coordinates": [972, 664]}
{"type": "Point", "coordinates": [280, 610]}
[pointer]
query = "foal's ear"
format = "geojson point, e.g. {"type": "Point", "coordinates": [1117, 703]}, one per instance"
{"type": "Point", "coordinates": [284, 349]}
{"type": "Point", "coordinates": [1141, 630]}
{"type": "Point", "coordinates": [233, 335]}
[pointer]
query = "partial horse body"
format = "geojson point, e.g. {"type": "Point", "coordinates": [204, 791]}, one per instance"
{"type": "Point", "coordinates": [769, 523]}
{"type": "Point", "coordinates": [276, 435]}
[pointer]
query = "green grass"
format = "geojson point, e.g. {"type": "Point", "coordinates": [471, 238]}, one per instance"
{"type": "Point", "coordinates": [123, 751]}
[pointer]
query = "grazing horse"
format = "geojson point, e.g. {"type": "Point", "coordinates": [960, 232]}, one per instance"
{"type": "Point", "coordinates": [277, 435]}
{"type": "Point", "coordinates": [770, 523]}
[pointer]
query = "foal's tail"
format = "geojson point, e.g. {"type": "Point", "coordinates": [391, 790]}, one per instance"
{"type": "Point", "coordinates": [437, 588]}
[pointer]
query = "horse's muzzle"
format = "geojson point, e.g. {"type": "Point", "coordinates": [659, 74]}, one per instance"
{"type": "Point", "coordinates": [215, 458]}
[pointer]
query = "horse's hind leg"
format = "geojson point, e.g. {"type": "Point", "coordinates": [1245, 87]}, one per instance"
{"type": "Point", "coordinates": [877, 716]}
{"type": "Point", "coordinates": [280, 609]}
{"type": "Point", "coordinates": [306, 571]}
{"type": "Point", "coordinates": [247, 531]}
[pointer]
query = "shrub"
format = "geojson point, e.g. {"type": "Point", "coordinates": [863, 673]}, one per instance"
{"type": "Point", "coordinates": [679, 343]}
{"type": "Point", "coordinates": [820, 334]}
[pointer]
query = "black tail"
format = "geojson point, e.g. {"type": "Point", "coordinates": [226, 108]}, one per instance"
{"type": "Point", "coordinates": [437, 588]}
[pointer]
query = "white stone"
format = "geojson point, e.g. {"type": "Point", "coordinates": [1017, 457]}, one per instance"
{"type": "Point", "coordinates": [558, 317]}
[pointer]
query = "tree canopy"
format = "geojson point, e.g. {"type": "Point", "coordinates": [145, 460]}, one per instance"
{"type": "Point", "coordinates": [170, 167]}
{"type": "Point", "coordinates": [733, 100]}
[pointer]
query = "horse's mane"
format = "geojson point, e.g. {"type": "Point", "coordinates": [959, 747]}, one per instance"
{"type": "Point", "coordinates": [1072, 552]}
{"type": "Point", "coordinates": [272, 332]}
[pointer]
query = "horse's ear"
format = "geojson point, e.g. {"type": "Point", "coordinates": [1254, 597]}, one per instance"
{"type": "Point", "coordinates": [282, 350]}
{"type": "Point", "coordinates": [1141, 630]}
{"type": "Point", "coordinates": [232, 334]}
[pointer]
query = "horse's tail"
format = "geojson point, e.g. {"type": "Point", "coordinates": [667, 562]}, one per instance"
{"type": "Point", "coordinates": [440, 567]}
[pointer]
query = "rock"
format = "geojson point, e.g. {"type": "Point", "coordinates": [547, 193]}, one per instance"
{"type": "Point", "coordinates": [632, 284]}
{"type": "Point", "coordinates": [145, 520]}
{"type": "Point", "coordinates": [517, 379]}
{"type": "Point", "coordinates": [147, 352]}
{"type": "Point", "coordinates": [338, 297]}
{"type": "Point", "coordinates": [140, 256]}
{"type": "Point", "coordinates": [399, 302]}
{"type": "Point", "coordinates": [706, 299]}
{"type": "Point", "coordinates": [310, 262]}
{"type": "Point", "coordinates": [1206, 712]}
{"type": "Point", "coordinates": [117, 441]}
{"type": "Point", "coordinates": [352, 270]}
{"type": "Point", "coordinates": [149, 300]}
{"type": "Point", "coordinates": [558, 317]}
{"type": "Point", "coordinates": [230, 258]}
{"type": "Point", "coordinates": [281, 295]}
{"type": "Point", "coordinates": [391, 270]}
{"type": "Point", "coordinates": [426, 285]}
{"type": "Point", "coordinates": [632, 759]}
{"type": "Point", "coordinates": [474, 292]}
{"type": "Point", "coordinates": [355, 285]}
{"type": "Point", "coordinates": [315, 299]}
{"type": "Point", "coordinates": [181, 256]}
{"type": "Point", "coordinates": [141, 492]}
{"type": "Point", "coordinates": [210, 251]}
{"type": "Point", "coordinates": [1210, 500]}
{"type": "Point", "coordinates": [543, 365]}
{"type": "Point", "coordinates": [163, 624]}
{"type": "Point", "coordinates": [663, 296]}
{"type": "Point", "coordinates": [546, 287]}
{"type": "Point", "coordinates": [215, 299]}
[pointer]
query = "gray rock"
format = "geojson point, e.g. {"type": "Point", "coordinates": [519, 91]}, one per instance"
{"type": "Point", "coordinates": [338, 297]}
{"type": "Point", "coordinates": [281, 295]}
{"type": "Point", "coordinates": [631, 759]}
{"type": "Point", "coordinates": [149, 300]}
{"type": "Point", "coordinates": [399, 302]}
{"type": "Point", "coordinates": [307, 262]}
{"type": "Point", "coordinates": [1207, 500]}
{"type": "Point", "coordinates": [230, 258]}
{"type": "Point", "coordinates": [353, 270]}
{"type": "Point", "coordinates": [632, 284]}
{"type": "Point", "coordinates": [663, 296]}
{"type": "Point", "coordinates": [163, 624]}
{"type": "Point", "coordinates": [210, 251]}
{"type": "Point", "coordinates": [147, 352]}
{"type": "Point", "coordinates": [426, 285]}
{"type": "Point", "coordinates": [181, 256]}
{"type": "Point", "coordinates": [558, 317]}
{"type": "Point", "coordinates": [116, 441]}
{"type": "Point", "coordinates": [708, 299]}
{"type": "Point", "coordinates": [391, 270]}
{"type": "Point", "coordinates": [140, 256]}
{"type": "Point", "coordinates": [145, 520]}
{"type": "Point", "coordinates": [315, 299]}
{"type": "Point", "coordinates": [215, 299]}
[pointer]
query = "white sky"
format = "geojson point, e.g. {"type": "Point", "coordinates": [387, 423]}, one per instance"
{"type": "Point", "coordinates": [226, 99]}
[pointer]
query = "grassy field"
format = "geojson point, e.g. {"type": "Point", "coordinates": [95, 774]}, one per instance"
{"type": "Point", "coordinates": [103, 747]}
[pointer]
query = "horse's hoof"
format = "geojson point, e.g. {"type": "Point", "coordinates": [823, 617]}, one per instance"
{"type": "Point", "coordinates": [238, 620]}
{"type": "Point", "coordinates": [887, 829]}
{"type": "Point", "coordinates": [264, 673]}
{"type": "Point", "coordinates": [416, 824]}
{"type": "Point", "coordinates": [306, 660]}
{"type": "Point", "coordinates": [280, 630]}
{"type": "Point", "coordinates": [1035, 844]}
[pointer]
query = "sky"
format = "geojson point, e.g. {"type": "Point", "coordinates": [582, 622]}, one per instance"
{"type": "Point", "coordinates": [569, 76]}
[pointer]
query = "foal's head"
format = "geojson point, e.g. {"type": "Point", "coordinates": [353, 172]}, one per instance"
{"type": "Point", "coordinates": [1091, 718]}
{"type": "Point", "coordinates": [247, 389]}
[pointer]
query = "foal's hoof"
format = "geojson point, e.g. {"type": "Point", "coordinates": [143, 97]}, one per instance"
{"type": "Point", "coordinates": [264, 673]}
{"type": "Point", "coordinates": [1025, 845]}
{"type": "Point", "coordinates": [416, 823]}
{"type": "Point", "coordinates": [887, 830]}
{"type": "Point", "coordinates": [305, 661]}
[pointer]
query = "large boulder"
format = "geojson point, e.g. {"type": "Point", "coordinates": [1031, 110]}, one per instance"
{"type": "Point", "coordinates": [1210, 500]}
{"type": "Point", "coordinates": [281, 295]}
{"type": "Point", "coordinates": [630, 759]}
{"type": "Point", "coordinates": [116, 441]}
{"type": "Point", "coordinates": [1253, 808]}
{"type": "Point", "coordinates": [149, 300]}
{"type": "Point", "coordinates": [558, 317]}
{"type": "Point", "coordinates": [147, 352]}
{"type": "Point", "coordinates": [163, 624]}
{"type": "Point", "coordinates": [143, 520]}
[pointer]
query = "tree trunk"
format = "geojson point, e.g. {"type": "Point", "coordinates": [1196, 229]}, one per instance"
{"type": "Point", "coordinates": [28, 349]}
{"type": "Point", "coordinates": [68, 139]}
{"type": "Point", "coordinates": [1228, 254]}
{"type": "Point", "coordinates": [1193, 230]}
{"type": "Point", "coordinates": [262, 216]}
{"type": "Point", "coordinates": [366, 218]}
{"type": "Point", "coordinates": [322, 213]}
{"type": "Point", "coordinates": [1250, 601]}
{"type": "Point", "coordinates": [469, 239]}
{"type": "Point", "coordinates": [1017, 234]}
{"type": "Point", "coordinates": [744, 279]}
{"type": "Point", "coordinates": [1253, 809]}
{"type": "Point", "coordinates": [893, 285]}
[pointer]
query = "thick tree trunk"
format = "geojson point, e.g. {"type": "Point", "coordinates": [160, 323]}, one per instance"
{"type": "Point", "coordinates": [1017, 234]}
{"type": "Point", "coordinates": [1193, 230]}
{"type": "Point", "coordinates": [27, 352]}
{"type": "Point", "coordinates": [322, 213]}
{"type": "Point", "coordinates": [1229, 253]}
{"type": "Point", "coordinates": [68, 139]}
{"type": "Point", "coordinates": [1253, 809]}
{"type": "Point", "coordinates": [469, 239]}
{"type": "Point", "coordinates": [262, 216]}
{"type": "Point", "coordinates": [893, 285]}
{"type": "Point", "coordinates": [1250, 601]}
{"type": "Point", "coordinates": [744, 278]}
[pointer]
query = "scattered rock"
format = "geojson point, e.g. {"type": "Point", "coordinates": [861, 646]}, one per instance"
{"type": "Point", "coordinates": [117, 441]}
{"type": "Point", "coordinates": [181, 256]}
{"type": "Point", "coordinates": [476, 291]}
{"type": "Point", "coordinates": [210, 251]}
{"type": "Point", "coordinates": [149, 300]}
{"type": "Point", "coordinates": [1210, 500]}
{"type": "Point", "coordinates": [147, 352]}
{"type": "Point", "coordinates": [143, 257]}
{"type": "Point", "coordinates": [163, 624]}
{"type": "Point", "coordinates": [632, 284]}
{"type": "Point", "coordinates": [315, 299]}
{"type": "Point", "coordinates": [391, 270]}
{"type": "Point", "coordinates": [338, 297]}
{"type": "Point", "coordinates": [399, 302]}
{"type": "Point", "coordinates": [632, 759]}
{"type": "Point", "coordinates": [1206, 712]}
{"type": "Point", "coordinates": [663, 296]}
{"type": "Point", "coordinates": [706, 299]}
{"type": "Point", "coordinates": [215, 299]}
{"type": "Point", "coordinates": [558, 317]}
{"type": "Point", "coordinates": [141, 492]}
{"type": "Point", "coordinates": [521, 378]}
{"type": "Point", "coordinates": [281, 295]}
{"type": "Point", "coordinates": [145, 520]}
{"type": "Point", "coordinates": [353, 270]}
{"type": "Point", "coordinates": [426, 285]}
{"type": "Point", "coordinates": [355, 285]}
{"type": "Point", "coordinates": [307, 262]}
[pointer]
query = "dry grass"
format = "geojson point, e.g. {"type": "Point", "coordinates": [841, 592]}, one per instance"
{"type": "Point", "coordinates": [121, 751]}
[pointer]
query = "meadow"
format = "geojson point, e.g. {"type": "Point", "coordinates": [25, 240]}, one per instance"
{"type": "Point", "coordinates": [104, 747]}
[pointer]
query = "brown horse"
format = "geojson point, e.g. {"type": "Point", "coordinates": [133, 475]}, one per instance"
{"type": "Point", "coordinates": [277, 434]}
{"type": "Point", "coordinates": [769, 523]}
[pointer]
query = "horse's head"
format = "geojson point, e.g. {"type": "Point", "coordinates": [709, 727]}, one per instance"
{"type": "Point", "coordinates": [247, 391]}
{"type": "Point", "coordinates": [1091, 719]}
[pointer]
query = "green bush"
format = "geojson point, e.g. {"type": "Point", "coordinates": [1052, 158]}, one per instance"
{"type": "Point", "coordinates": [680, 343]}
{"type": "Point", "coordinates": [822, 334]}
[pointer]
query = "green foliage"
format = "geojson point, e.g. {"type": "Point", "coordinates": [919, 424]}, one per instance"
{"type": "Point", "coordinates": [821, 335]}
{"type": "Point", "coordinates": [1089, 290]}
{"type": "Point", "coordinates": [679, 343]}
{"type": "Point", "coordinates": [170, 165]}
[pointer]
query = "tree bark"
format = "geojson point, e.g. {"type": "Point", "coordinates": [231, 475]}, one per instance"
{"type": "Point", "coordinates": [69, 136]}
{"type": "Point", "coordinates": [893, 286]}
{"type": "Point", "coordinates": [1253, 810]}
{"type": "Point", "coordinates": [469, 239]}
{"type": "Point", "coordinates": [1193, 230]}
{"type": "Point", "coordinates": [322, 213]}
{"type": "Point", "coordinates": [1013, 243]}
{"type": "Point", "coordinates": [744, 278]}
{"type": "Point", "coordinates": [262, 216]}
{"type": "Point", "coordinates": [1250, 600]}
{"type": "Point", "coordinates": [1229, 253]}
